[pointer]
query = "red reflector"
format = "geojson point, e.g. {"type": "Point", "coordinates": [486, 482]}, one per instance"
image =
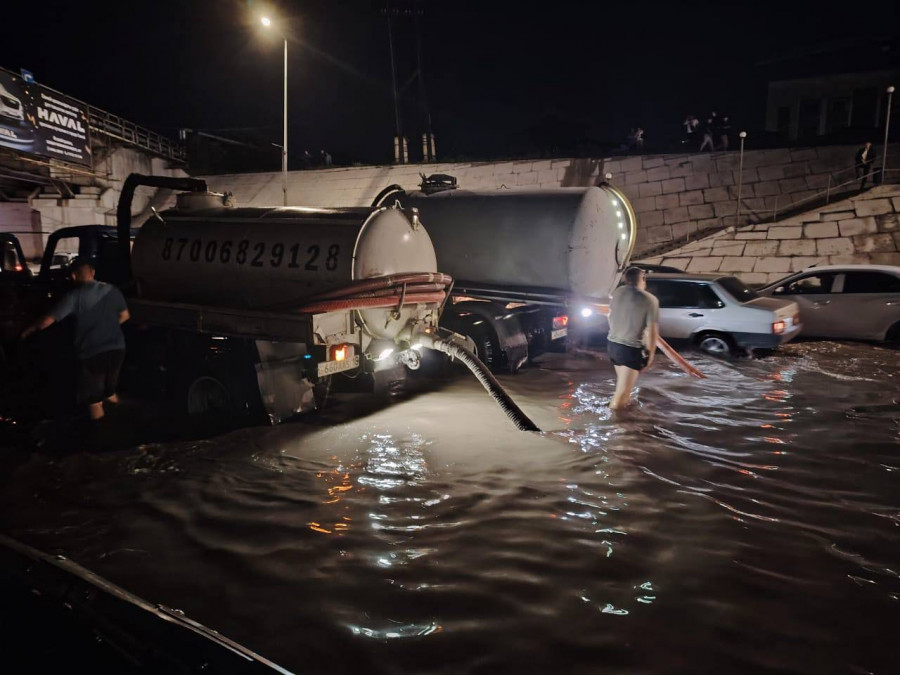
{"type": "Point", "coordinates": [560, 322]}
{"type": "Point", "coordinates": [778, 327]}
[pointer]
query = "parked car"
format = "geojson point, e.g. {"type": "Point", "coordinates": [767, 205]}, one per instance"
{"type": "Point", "coordinates": [657, 269]}
{"type": "Point", "coordinates": [854, 302]}
{"type": "Point", "coordinates": [718, 314]}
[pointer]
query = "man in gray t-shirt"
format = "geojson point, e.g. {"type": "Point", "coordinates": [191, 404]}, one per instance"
{"type": "Point", "coordinates": [99, 309]}
{"type": "Point", "coordinates": [633, 332]}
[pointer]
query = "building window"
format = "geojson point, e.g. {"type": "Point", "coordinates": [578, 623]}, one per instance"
{"type": "Point", "coordinates": [838, 114]}
{"type": "Point", "coordinates": [810, 113]}
{"type": "Point", "coordinates": [865, 105]}
{"type": "Point", "coordinates": [783, 123]}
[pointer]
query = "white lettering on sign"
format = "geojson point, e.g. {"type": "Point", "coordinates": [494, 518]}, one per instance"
{"type": "Point", "coordinates": [59, 119]}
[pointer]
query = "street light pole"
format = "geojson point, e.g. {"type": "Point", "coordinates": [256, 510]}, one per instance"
{"type": "Point", "coordinates": [737, 217]}
{"type": "Point", "coordinates": [887, 128]}
{"type": "Point", "coordinates": [284, 145]}
{"type": "Point", "coordinates": [267, 22]}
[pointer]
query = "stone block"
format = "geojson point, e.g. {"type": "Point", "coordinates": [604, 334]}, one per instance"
{"type": "Point", "coordinates": [755, 279]}
{"type": "Point", "coordinates": [681, 170]}
{"type": "Point", "coordinates": [707, 223]}
{"type": "Point", "coordinates": [767, 157]}
{"type": "Point", "coordinates": [886, 258]}
{"type": "Point", "coordinates": [737, 264]}
{"type": "Point", "coordinates": [896, 236]}
{"type": "Point", "coordinates": [727, 163]}
{"type": "Point", "coordinates": [727, 208]}
{"type": "Point", "coordinates": [635, 177]}
{"type": "Point", "coordinates": [700, 211]}
{"type": "Point", "coordinates": [527, 178]}
{"type": "Point", "coordinates": [683, 230]}
{"type": "Point", "coordinates": [799, 263]}
{"type": "Point", "coordinates": [506, 179]}
{"type": "Point", "coordinates": [542, 164]}
{"type": "Point", "coordinates": [761, 248]}
{"type": "Point", "coordinates": [772, 264]}
{"type": "Point", "coordinates": [855, 226]}
{"type": "Point", "coordinates": [522, 167]}
{"type": "Point", "coordinates": [659, 234]}
{"type": "Point", "coordinates": [837, 215]}
{"type": "Point", "coordinates": [785, 232]}
{"type": "Point", "coordinates": [676, 215]}
{"type": "Point", "coordinates": [797, 247]}
{"type": "Point", "coordinates": [630, 164]}
{"type": "Point", "coordinates": [887, 222]}
{"type": "Point", "coordinates": [658, 173]}
{"type": "Point", "coordinates": [749, 176]}
{"type": "Point", "coordinates": [652, 162]}
{"type": "Point", "coordinates": [817, 182]}
{"type": "Point", "coordinates": [673, 185]}
{"type": "Point", "coordinates": [820, 230]}
{"type": "Point", "coordinates": [895, 202]}
{"type": "Point", "coordinates": [789, 185]}
{"type": "Point", "coordinates": [643, 204]}
{"type": "Point", "coordinates": [710, 264]}
{"type": "Point", "coordinates": [721, 179]}
{"type": "Point", "coordinates": [750, 235]}
{"type": "Point", "coordinates": [767, 188]}
{"type": "Point", "coordinates": [835, 246]}
{"type": "Point", "coordinates": [803, 154]}
{"type": "Point", "coordinates": [546, 176]}
{"type": "Point", "coordinates": [729, 248]}
{"type": "Point", "coordinates": [666, 202]}
{"type": "Point", "coordinates": [770, 173]}
{"type": "Point", "coordinates": [650, 189]}
{"type": "Point", "coordinates": [796, 170]}
{"type": "Point", "coordinates": [850, 259]}
{"type": "Point", "coordinates": [680, 263]}
{"type": "Point", "coordinates": [716, 194]}
{"type": "Point", "coordinates": [650, 219]}
{"type": "Point", "coordinates": [873, 207]}
{"type": "Point", "coordinates": [698, 181]}
{"type": "Point", "coordinates": [689, 198]}
{"type": "Point", "coordinates": [871, 243]}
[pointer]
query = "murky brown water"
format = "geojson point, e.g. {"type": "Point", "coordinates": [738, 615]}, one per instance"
{"type": "Point", "coordinates": [746, 523]}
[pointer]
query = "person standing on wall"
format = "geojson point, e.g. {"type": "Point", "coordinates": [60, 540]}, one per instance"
{"type": "Point", "coordinates": [99, 310]}
{"type": "Point", "coordinates": [865, 163]}
{"type": "Point", "coordinates": [633, 333]}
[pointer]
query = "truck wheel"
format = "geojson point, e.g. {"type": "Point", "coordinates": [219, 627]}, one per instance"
{"type": "Point", "coordinates": [893, 334]}
{"type": "Point", "coordinates": [487, 348]}
{"type": "Point", "coordinates": [207, 395]}
{"type": "Point", "coordinates": [715, 344]}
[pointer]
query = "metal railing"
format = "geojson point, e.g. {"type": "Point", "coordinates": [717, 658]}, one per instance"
{"type": "Point", "coordinates": [121, 129]}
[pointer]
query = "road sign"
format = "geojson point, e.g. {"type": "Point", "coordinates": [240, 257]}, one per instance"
{"type": "Point", "coordinates": [27, 76]}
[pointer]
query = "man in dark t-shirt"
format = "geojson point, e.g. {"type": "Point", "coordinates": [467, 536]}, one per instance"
{"type": "Point", "coordinates": [99, 309]}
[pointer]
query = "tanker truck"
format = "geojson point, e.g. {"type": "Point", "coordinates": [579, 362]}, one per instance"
{"type": "Point", "coordinates": [526, 264]}
{"type": "Point", "coordinates": [251, 311]}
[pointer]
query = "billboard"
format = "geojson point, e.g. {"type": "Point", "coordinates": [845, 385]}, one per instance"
{"type": "Point", "coordinates": [38, 121]}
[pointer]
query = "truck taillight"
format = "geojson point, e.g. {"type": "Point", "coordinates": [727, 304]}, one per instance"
{"type": "Point", "coordinates": [560, 322]}
{"type": "Point", "coordinates": [778, 327]}
{"type": "Point", "coordinates": [341, 352]}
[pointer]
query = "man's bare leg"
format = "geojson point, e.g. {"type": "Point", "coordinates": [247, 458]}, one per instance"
{"type": "Point", "coordinates": [625, 380]}
{"type": "Point", "coordinates": [114, 399]}
{"type": "Point", "coordinates": [96, 410]}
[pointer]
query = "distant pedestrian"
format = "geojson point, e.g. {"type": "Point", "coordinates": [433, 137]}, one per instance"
{"type": "Point", "coordinates": [865, 161]}
{"type": "Point", "coordinates": [633, 333]}
{"type": "Point", "coordinates": [326, 158]}
{"type": "Point", "coordinates": [690, 127]}
{"type": "Point", "coordinates": [99, 309]}
{"type": "Point", "coordinates": [639, 139]}
{"type": "Point", "coordinates": [306, 159]}
{"type": "Point", "coordinates": [708, 136]}
{"type": "Point", "coordinates": [724, 133]}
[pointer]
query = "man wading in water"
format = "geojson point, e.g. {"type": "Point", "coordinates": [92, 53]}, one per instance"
{"type": "Point", "coordinates": [99, 309]}
{"type": "Point", "coordinates": [633, 332]}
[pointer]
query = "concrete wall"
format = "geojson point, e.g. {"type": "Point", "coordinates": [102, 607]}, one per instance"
{"type": "Point", "coordinates": [863, 229]}
{"type": "Point", "coordinates": [675, 196]}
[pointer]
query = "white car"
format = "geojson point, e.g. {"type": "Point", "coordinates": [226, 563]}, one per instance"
{"type": "Point", "coordinates": [854, 302]}
{"type": "Point", "coordinates": [11, 106]}
{"type": "Point", "coordinates": [719, 314]}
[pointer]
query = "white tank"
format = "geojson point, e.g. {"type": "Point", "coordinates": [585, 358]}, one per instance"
{"type": "Point", "coordinates": [256, 258]}
{"type": "Point", "coordinates": [572, 240]}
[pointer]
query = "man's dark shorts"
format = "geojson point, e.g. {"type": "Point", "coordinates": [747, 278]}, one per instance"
{"type": "Point", "coordinates": [98, 376]}
{"type": "Point", "coordinates": [630, 357]}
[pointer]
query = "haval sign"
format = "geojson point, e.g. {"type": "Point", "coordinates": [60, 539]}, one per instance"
{"type": "Point", "coordinates": [37, 120]}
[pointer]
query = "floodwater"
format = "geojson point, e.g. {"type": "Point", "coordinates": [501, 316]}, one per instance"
{"type": "Point", "coordinates": [749, 522]}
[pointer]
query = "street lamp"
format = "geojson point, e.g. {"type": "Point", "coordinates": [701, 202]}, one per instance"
{"type": "Point", "coordinates": [737, 217]}
{"type": "Point", "coordinates": [267, 22]}
{"type": "Point", "coordinates": [887, 127]}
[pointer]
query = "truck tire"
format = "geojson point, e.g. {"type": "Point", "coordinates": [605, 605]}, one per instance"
{"type": "Point", "coordinates": [207, 395]}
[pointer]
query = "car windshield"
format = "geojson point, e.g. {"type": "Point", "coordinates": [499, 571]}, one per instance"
{"type": "Point", "coordinates": [736, 289]}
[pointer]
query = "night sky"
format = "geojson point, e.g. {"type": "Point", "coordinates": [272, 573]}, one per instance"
{"type": "Point", "coordinates": [502, 77]}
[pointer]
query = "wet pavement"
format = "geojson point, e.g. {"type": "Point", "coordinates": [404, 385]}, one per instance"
{"type": "Point", "coordinates": [748, 522]}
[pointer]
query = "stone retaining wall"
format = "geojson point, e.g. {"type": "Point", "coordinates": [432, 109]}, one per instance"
{"type": "Point", "coordinates": [862, 229]}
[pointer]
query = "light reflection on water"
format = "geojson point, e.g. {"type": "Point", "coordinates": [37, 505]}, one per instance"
{"type": "Point", "coordinates": [757, 507]}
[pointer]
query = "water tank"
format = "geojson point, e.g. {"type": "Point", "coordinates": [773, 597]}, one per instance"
{"type": "Point", "coordinates": [257, 258]}
{"type": "Point", "coordinates": [572, 240]}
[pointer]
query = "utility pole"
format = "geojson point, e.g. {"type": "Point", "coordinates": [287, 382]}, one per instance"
{"type": "Point", "coordinates": [399, 146]}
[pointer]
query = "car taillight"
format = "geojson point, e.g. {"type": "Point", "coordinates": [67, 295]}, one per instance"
{"type": "Point", "coordinates": [778, 327]}
{"type": "Point", "coordinates": [560, 322]}
{"type": "Point", "coordinates": [797, 319]}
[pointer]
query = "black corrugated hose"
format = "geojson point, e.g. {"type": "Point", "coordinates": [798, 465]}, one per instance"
{"type": "Point", "coordinates": [487, 379]}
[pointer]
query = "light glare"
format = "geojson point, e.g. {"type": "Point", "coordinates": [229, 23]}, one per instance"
{"type": "Point", "coordinates": [586, 312]}
{"type": "Point", "coordinates": [266, 21]}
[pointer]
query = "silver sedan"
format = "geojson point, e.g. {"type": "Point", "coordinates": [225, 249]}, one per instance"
{"type": "Point", "coordinates": [855, 302]}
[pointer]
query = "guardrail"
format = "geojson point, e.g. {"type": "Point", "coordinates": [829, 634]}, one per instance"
{"type": "Point", "coordinates": [121, 129]}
